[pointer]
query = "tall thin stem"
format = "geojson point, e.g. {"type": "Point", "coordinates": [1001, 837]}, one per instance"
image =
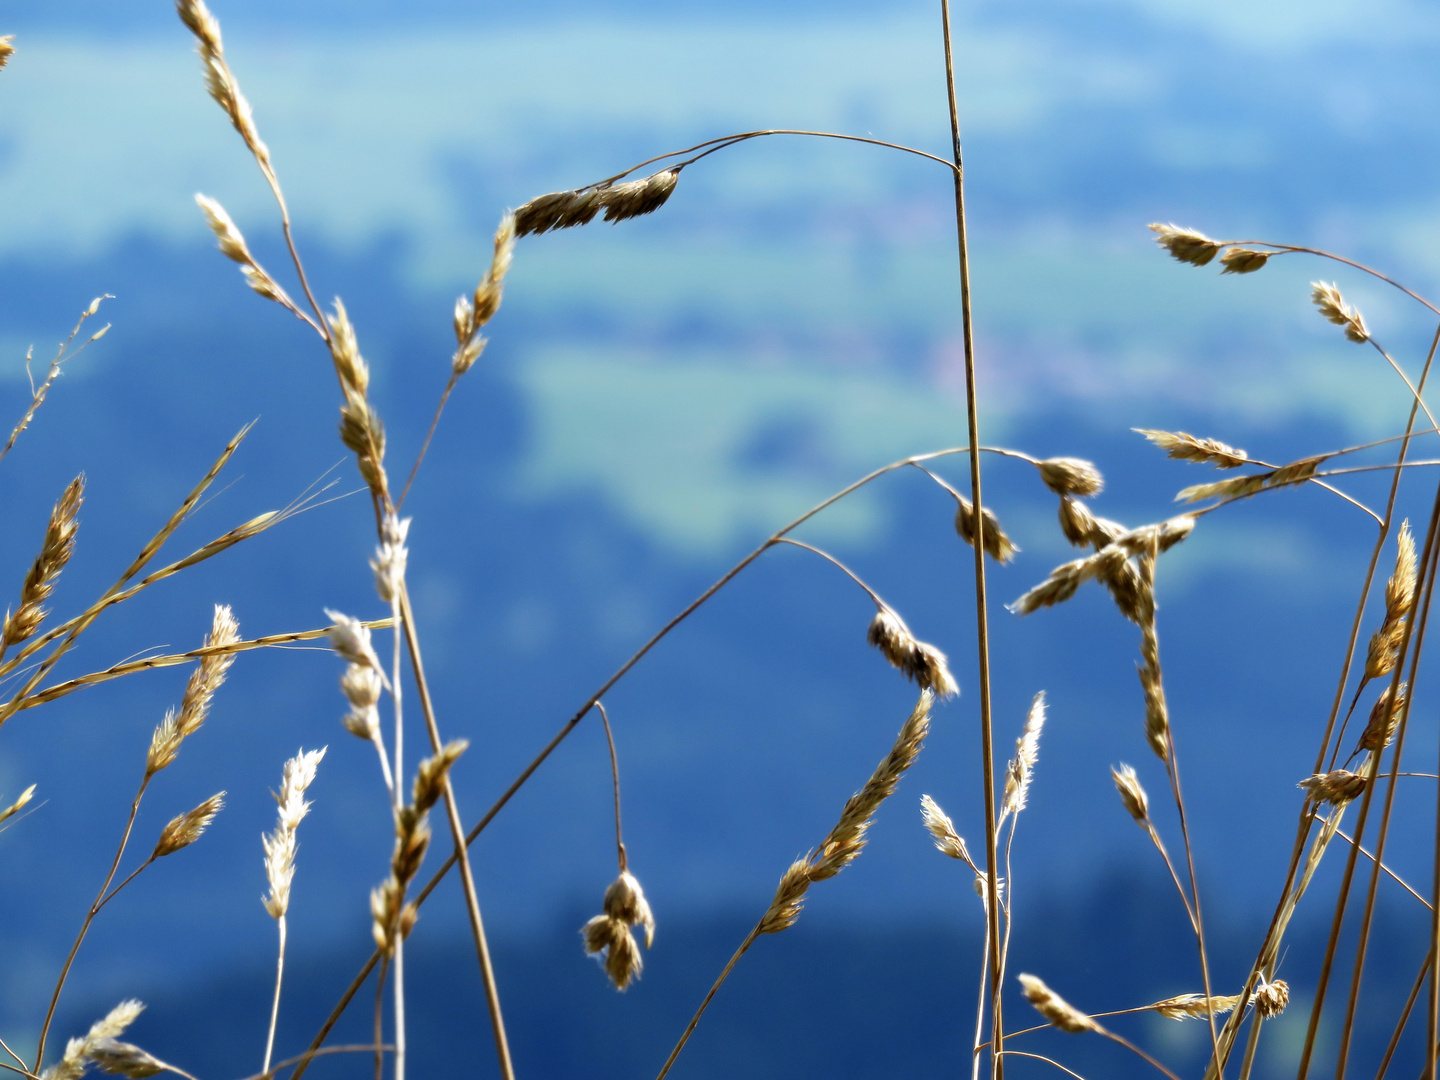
{"type": "Point", "coordinates": [275, 1004]}
{"type": "Point", "coordinates": [398, 798]}
{"type": "Point", "coordinates": [987, 750]}
{"type": "Point", "coordinates": [615, 777]}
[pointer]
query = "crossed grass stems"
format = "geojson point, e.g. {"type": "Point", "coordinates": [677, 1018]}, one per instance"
{"type": "Point", "coordinates": [1123, 560]}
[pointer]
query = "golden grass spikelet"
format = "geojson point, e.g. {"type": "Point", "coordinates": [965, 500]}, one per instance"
{"type": "Point", "coordinates": [1082, 528]}
{"type": "Point", "coordinates": [998, 545]}
{"type": "Point", "coordinates": [1054, 1008]}
{"type": "Point", "coordinates": [1020, 771]}
{"type": "Point", "coordinates": [19, 804]}
{"type": "Point", "coordinates": [473, 312]}
{"type": "Point", "coordinates": [280, 846]}
{"type": "Point", "coordinates": [609, 933]}
{"type": "Point", "coordinates": [1242, 487]}
{"type": "Point", "coordinates": [1071, 476]}
{"type": "Point", "coordinates": [1384, 651]}
{"type": "Point", "coordinates": [7, 49]}
{"type": "Point", "coordinates": [1194, 1006]}
{"type": "Point", "coordinates": [1132, 795]}
{"type": "Point", "coordinates": [350, 638]}
{"type": "Point", "coordinates": [1187, 245]}
{"type": "Point", "coordinates": [205, 679]}
{"type": "Point", "coordinates": [71, 1065]}
{"type": "Point", "coordinates": [123, 1059]}
{"type": "Point", "coordinates": [431, 773]}
{"type": "Point", "coordinates": [1270, 998]}
{"type": "Point", "coordinates": [923, 664]}
{"type": "Point", "coordinates": [219, 81]}
{"type": "Point", "coordinates": [184, 830]}
{"type": "Point", "coordinates": [1182, 446]}
{"type": "Point", "coordinates": [1110, 564]}
{"type": "Point", "coordinates": [1239, 260]}
{"type": "Point", "coordinates": [1336, 788]}
{"type": "Point", "coordinates": [947, 840]}
{"type": "Point", "coordinates": [232, 246]}
{"type": "Point", "coordinates": [1380, 729]}
{"type": "Point", "coordinates": [566, 209]}
{"type": "Point", "coordinates": [1326, 297]}
{"type": "Point", "coordinates": [55, 552]}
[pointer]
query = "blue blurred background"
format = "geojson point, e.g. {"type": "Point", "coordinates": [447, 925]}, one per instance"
{"type": "Point", "coordinates": [656, 398]}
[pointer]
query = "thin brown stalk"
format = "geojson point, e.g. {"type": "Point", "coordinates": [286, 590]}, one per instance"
{"type": "Point", "coordinates": [832, 560]}
{"type": "Point", "coordinates": [987, 750]}
{"type": "Point", "coordinates": [1042, 1057]}
{"type": "Point", "coordinates": [1404, 1018]}
{"type": "Point", "coordinates": [615, 777]}
{"type": "Point", "coordinates": [380, 1020]}
{"type": "Point", "coordinates": [62, 354]}
{"type": "Point", "coordinates": [425, 446]}
{"type": "Point", "coordinates": [1137, 1051]}
{"type": "Point", "coordinates": [1154, 835]}
{"type": "Point", "coordinates": [715, 987]}
{"type": "Point", "coordinates": [151, 663]}
{"type": "Point", "coordinates": [95, 907]}
{"type": "Point", "coordinates": [353, 1048]}
{"type": "Point", "coordinates": [457, 831]}
{"type": "Point", "coordinates": [1391, 873]}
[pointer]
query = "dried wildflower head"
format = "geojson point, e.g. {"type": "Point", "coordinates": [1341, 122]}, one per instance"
{"type": "Point", "coordinates": [1182, 446]}
{"type": "Point", "coordinates": [998, 545]}
{"type": "Point", "coordinates": [1187, 245]}
{"type": "Point", "coordinates": [184, 830]}
{"type": "Point", "coordinates": [1195, 1006]}
{"type": "Point", "coordinates": [19, 804]}
{"type": "Point", "coordinates": [1337, 787]}
{"type": "Point", "coordinates": [1327, 298]}
{"type": "Point", "coordinates": [1020, 771]}
{"type": "Point", "coordinates": [1054, 1008]}
{"type": "Point", "coordinates": [55, 552]}
{"type": "Point", "coordinates": [1071, 476]}
{"type": "Point", "coordinates": [1132, 795]}
{"type": "Point", "coordinates": [391, 557]}
{"type": "Point", "coordinates": [1271, 998]}
{"type": "Point", "coordinates": [1380, 729]}
{"type": "Point", "coordinates": [609, 933]}
{"type": "Point", "coordinates": [923, 664]}
{"type": "Point", "coordinates": [351, 639]}
{"type": "Point", "coordinates": [1239, 260]}
{"type": "Point", "coordinates": [280, 845]}
{"type": "Point", "coordinates": [205, 679]}
{"type": "Point", "coordinates": [947, 840]}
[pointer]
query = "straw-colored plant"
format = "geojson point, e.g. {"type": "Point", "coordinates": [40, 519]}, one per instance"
{"type": "Point", "coordinates": [1123, 560]}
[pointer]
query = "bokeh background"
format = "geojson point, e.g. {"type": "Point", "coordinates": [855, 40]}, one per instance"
{"type": "Point", "coordinates": [655, 399]}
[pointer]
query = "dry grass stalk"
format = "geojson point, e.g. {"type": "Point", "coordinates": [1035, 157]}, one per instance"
{"type": "Point", "coordinates": [609, 932]}
{"type": "Point", "coordinates": [184, 830]}
{"type": "Point", "coordinates": [55, 552]}
{"type": "Point", "coordinates": [1020, 771]}
{"type": "Point", "coordinates": [233, 247]}
{"type": "Point", "coordinates": [923, 664]}
{"type": "Point", "coordinates": [566, 209]}
{"type": "Point", "coordinates": [1380, 729]}
{"type": "Point", "coordinates": [1187, 245]}
{"type": "Point", "coordinates": [1239, 260]}
{"type": "Point", "coordinates": [1182, 446]}
{"type": "Point", "coordinates": [1327, 298]}
{"type": "Point", "coordinates": [200, 690]}
{"type": "Point", "coordinates": [1059, 1012]}
{"type": "Point", "coordinates": [1071, 476]}
{"type": "Point", "coordinates": [65, 352]}
{"type": "Point", "coordinates": [77, 1055]}
{"type": "Point", "coordinates": [1384, 651]}
{"type": "Point", "coordinates": [1132, 795]}
{"type": "Point", "coordinates": [1335, 788]}
{"type": "Point", "coordinates": [19, 804]}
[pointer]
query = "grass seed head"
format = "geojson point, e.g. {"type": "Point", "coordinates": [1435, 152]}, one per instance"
{"type": "Point", "coordinates": [1335, 788]}
{"type": "Point", "coordinates": [1182, 446]}
{"type": "Point", "coordinates": [1071, 476]}
{"type": "Point", "coordinates": [923, 664]}
{"type": "Point", "coordinates": [1054, 1008]}
{"type": "Point", "coordinates": [1239, 260]}
{"type": "Point", "coordinates": [998, 545]}
{"type": "Point", "coordinates": [1327, 298]}
{"type": "Point", "coordinates": [55, 552]}
{"type": "Point", "coordinates": [7, 49]}
{"type": "Point", "coordinates": [1132, 795]}
{"type": "Point", "coordinates": [280, 846]}
{"type": "Point", "coordinates": [351, 640]}
{"type": "Point", "coordinates": [1195, 1006]}
{"type": "Point", "coordinates": [205, 680]}
{"type": "Point", "coordinates": [1380, 729]}
{"type": "Point", "coordinates": [1271, 998]}
{"type": "Point", "coordinates": [947, 840]}
{"type": "Point", "coordinates": [184, 830]}
{"type": "Point", "coordinates": [1021, 769]}
{"type": "Point", "coordinates": [123, 1059]}
{"type": "Point", "coordinates": [431, 773]}
{"type": "Point", "coordinates": [19, 804]}
{"type": "Point", "coordinates": [1187, 245]}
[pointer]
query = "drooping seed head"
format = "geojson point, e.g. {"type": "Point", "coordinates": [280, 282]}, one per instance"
{"type": "Point", "coordinates": [1335, 788]}
{"type": "Point", "coordinates": [998, 545]}
{"type": "Point", "coordinates": [1182, 446]}
{"type": "Point", "coordinates": [123, 1059]}
{"type": "Point", "coordinates": [921, 663]}
{"type": "Point", "coordinates": [351, 640]}
{"type": "Point", "coordinates": [1071, 476]}
{"type": "Point", "coordinates": [1239, 260]}
{"type": "Point", "coordinates": [1326, 297]}
{"type": "Point", "coordinates": [1187, 245]}
{"type": "Point", "coordinates": [1195, 1006]}
{"type": "Point", "coordinates": [1054, 1008]}
{"type": "Point", "coordinates": [1271, 998]}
